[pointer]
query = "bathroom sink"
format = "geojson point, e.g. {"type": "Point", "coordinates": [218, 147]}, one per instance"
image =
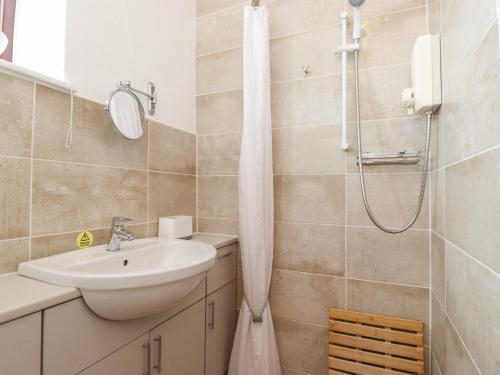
{"type": "Point", "coordinates": [144, 278]}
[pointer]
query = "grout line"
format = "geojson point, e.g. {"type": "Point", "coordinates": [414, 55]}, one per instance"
{"type": "Point", "coordinates": [197, 187]}
{"type": "Point", "coordinates": [467, 255]}
{"type": "Point", "coordinates": [148, 181]}
{"type": "Point", "coordinates": [308, 273]}
{"type": "Point", "coordinates": [318, 124]}
{"type": "Point", "coordinates": [445, 12]}
{"type": "Point", "coordinates": [303, 79]}
{"type": "Point", "coordinates": [101, 166]}
{"type": "Point", "coordinates": [445, 312]}
{"type": "Point", "coordinates": [78, 230]}
{"type": "Point", "coordinates": [437, 362]}
{"type": "Point", "coordinates": [395, 12]}
{"type": "Point", "coordinates": [346, 285]}
{"type": "Point", "coordinates": [14, 239]}
{"type": "Point", "coordinates": [243, 3]}
{"type": "Point", "coordinates": [31, 170]}
{"type": "Point", "coordinates": [273, 38]}
{"type": "Point", "coordinates": [478, 154]}
{"type": "Point", "coordinates": [388, 283]}
{"type": "Point", "coordinates": [313, 223]}
{"type": "Point", "coordinates": [320, 174]}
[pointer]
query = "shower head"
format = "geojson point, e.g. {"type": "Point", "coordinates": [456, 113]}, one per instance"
{"type": "Point", "coordinates": [356, 34]}
{"type": "Point", "coordinates": [356, 3]}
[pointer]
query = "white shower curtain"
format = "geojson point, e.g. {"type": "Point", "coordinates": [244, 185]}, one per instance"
{"type": "Point", "coordinates": [255, 351]}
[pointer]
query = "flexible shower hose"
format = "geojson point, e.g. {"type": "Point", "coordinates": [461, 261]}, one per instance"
{"type": "Point", "coordinates": [423, 181]}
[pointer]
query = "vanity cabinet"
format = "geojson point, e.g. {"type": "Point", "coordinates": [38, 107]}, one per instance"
{"type": "Point", "coordinates": [221, 322]}
{"type": "Point", "coordinates": [178, 345]}
{"type": "Point", "coordinates": [21, 346]}
{"type": "Point", "coordinates": [193, 338]}
{"type": "Point", "coordinates": [132, 359]}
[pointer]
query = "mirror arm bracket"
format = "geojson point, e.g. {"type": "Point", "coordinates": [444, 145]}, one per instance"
{"type": "Point", "coordinates": [151, 95]}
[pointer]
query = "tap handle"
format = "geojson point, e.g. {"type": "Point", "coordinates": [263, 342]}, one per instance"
{"type": "Point", "coordinates": [119, 222]}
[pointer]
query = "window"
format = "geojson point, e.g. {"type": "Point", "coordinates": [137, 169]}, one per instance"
{"type": "Point", "coordinates": [40, 36]}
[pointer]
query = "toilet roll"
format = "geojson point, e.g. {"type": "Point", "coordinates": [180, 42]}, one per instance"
{"type": "Point", "coordinates": [175, 227]}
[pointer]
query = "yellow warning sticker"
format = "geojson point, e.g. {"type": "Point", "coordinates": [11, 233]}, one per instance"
{"type": "Point", "coordinates": [84, 240]}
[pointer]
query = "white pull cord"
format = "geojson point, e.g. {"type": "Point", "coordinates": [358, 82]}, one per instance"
{"type": "Point", "coordinates": [69, 134]}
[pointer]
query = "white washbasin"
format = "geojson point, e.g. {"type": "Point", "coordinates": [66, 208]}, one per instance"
{"type": "Point", "coordinates": [144, 278]}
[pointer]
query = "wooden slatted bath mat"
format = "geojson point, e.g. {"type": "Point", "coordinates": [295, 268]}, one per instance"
{"type": "Point", "coordinates": [365, 344]}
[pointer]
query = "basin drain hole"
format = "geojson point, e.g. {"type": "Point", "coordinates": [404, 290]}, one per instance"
{"type": "Point", "coordinates": [125, 262]}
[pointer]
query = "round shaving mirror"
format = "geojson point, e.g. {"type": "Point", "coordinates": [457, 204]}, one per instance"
{"type": "Point", "coordinates": [126, 111]}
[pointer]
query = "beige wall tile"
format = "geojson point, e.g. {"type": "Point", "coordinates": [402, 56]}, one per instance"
{"type": "Point", "coordinates": [219, 154]}
{"type": "Point", "coordinates": [219, 113]}
{"type": "Point", "coordinates": [171, 194]}
{"type": "Point", "coordinates": [437, 154]}
{"type": "Point", "coordinates": [380, 92]}
{"type": "Point", "coordinates": [389, 299]}
{"type": "Point", "coordinates": [389, 136]}
{"type": "Point", "coordinates": [287, 371]}
{"type": "Point", "coordinates": [437, 196]}
{"type": "Point", "coordinates": [221, 226]}
{"type": "Point", "coordinates": [218, 197]}
{"type": "Point", "coordinates": [221, 71]}
{"type": "Point", "coordinates": [171, 150]}
{"type": "Point", "coordinates": [219, 31]}
{"type": "Point", "coordinates": [472, 207]}
{"type": "Point", "coordinates": [302, 347]}
{"type": "Point", "coordinates": [435, 366]}
{"type": "Point", "coordinates": [378, 7]}
{"type": "Point", "coordinates": [290, 54]}
{"type": "Point", "coordinates": [296, 16]}
{"type": "Point", "coordinates": [315, 100]}
{"type": "Point", "coordinates": [389, 39]}
{"type": "Point", "coordinates": [310, 248]}
{"type": "Point", "coordinates": [472, 101]}
{"type": "Point", "coordinates": [68, 197]}
{"type": "Point", "coordinates": [375, 255]}
{"type": "Point", "coordinates": [15, 197]}
{"type": "Point", "coordinates": [209, 6]}
{"type": "Point", "coordinates": [473, 303]}
{"type": "Point", "coordinates": [393, 199]}
{"type": "Point", "coordinates": [308, 150]}
{"type": "Point", "coordinates": [13, 252]}
{"type": "Point", "coordinates": [438, 269]}
{"type": "Point", "coordinates": [434, 10]}
{"type": "Point", "coordinates": [239, 290]}
{"type": "Point", "coordinates": [16, 111]}
{"type": "Point", "coordinates": [310, 199]}
{"type": "Point", "coordinates": [44, 246]}
{"type": "Point", "coordinates": [153, 229]}
{"type": "Point", "coordinates": [94, 140]}
{"type": "Point", "coordinates": [447, 346]}
{"type": "Point", "coordinates": [305, 297]}
{"type": "Point", "coordinates": [465, 24]}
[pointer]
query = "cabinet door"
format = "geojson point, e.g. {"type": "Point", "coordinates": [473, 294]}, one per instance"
{"type": "Point", "coordinates": [132, 359]}
{"type": "Point", "coordinates": [21, 345]}
{"type": "Point", "coordinates": [221, 326]}
{"type": "Point", "coordinates": [178, 345]}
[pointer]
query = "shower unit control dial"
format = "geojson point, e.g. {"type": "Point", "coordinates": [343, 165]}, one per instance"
{"type": "Point", "coordinates": [425, 93]}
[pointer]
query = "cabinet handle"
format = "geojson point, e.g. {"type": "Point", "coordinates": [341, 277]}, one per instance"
{"type": "Point", "coordinates": [220, 257]}
{"type": "Point", "coordinates": [158, 363]}
{"type": "Point", "coordinates": [211, 324]}
{"type": "Point", "coordinates": [147, 346]}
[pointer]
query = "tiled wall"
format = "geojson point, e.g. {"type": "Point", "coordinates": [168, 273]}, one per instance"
{"type": "Point", "coordinates": [49, 194]}
{"type": "Point", "coordinates": [465, 187]}
{"type": "Point", "coordinates": [327, 252]}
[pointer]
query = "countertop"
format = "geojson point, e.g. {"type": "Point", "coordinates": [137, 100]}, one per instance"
{"type": "Point", "coordinates": [21, 296]}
